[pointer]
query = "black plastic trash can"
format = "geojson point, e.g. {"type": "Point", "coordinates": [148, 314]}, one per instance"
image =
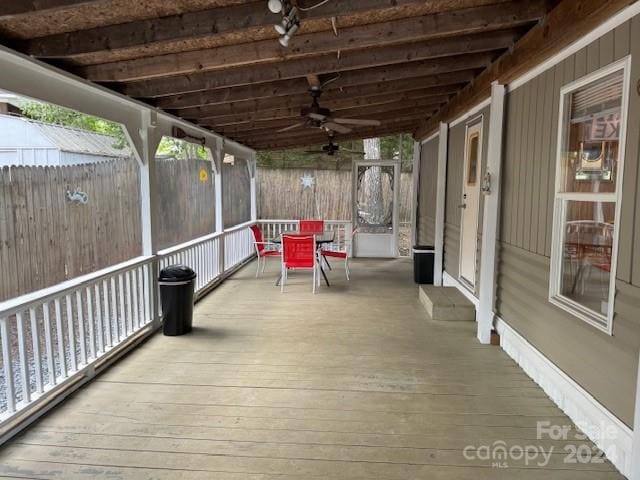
{"type": "Point", "coordinates": [177, 285]}
{"type": "Point", "coordinates": [423, 264]}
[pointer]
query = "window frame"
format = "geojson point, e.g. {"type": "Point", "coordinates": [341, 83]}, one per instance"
{"type": "Point", "coordinates": [561, 199]}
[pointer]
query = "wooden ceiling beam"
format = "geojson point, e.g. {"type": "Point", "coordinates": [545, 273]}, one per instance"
{"type": "Point", "coordinates": [469, 44]}
{"type": "Point", "coordinates": [251, 75]}
{"type": "Point", "coordinates": [321, 138]}
{"type": "Point", "coordinates": [406, 114]}
{"type": "Point", "coordinates": [462, 22]}
{"type": "Point", "coordinates": [296, 103]}
{"type": "Point", "coordinates": [418, 93]}
{"type": "Point", "coordinates": [19, 7]}
{"type": "Point", "coordinates": [294, 114]}
{"type": "Point", "coordinates": [203, 23]}
{"type": "Point", "coordinates": [566, 23]}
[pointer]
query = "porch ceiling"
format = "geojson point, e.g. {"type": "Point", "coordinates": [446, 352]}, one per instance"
{"type": "Point", "coordinates": [218, 63]}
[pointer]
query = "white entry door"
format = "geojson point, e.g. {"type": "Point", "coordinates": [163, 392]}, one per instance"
{"type": "Point", "coordinates": [375, 208]}
{"type": "Point", "coordinates": [470, 204]}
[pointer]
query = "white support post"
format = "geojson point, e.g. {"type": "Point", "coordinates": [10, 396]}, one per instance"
{"type": "Point", "coordinates": [635, 456]}
{"type": "Point", "coordinates": [417, 149]}
{"type": "Point", "coordinates": [441, 192]}
{"type": "Point", "coordinates": [218, 157]}
{"type": "Point", "coordinates": [491, 216]}
{"type": "Point", "coordinates": [148, 201]}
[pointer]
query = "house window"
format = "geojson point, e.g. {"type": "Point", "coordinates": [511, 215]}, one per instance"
{"type": "Point", "coordinates": [587, 199]}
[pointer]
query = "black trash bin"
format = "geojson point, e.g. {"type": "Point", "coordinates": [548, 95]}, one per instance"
{"type": "Point", "coordinates": [423, 264]}
{"type": "Point", "coordinates": [177, 285]}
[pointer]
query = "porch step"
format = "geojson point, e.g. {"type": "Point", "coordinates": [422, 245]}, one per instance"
{"type": "Point", "coordinates": [446, 303]}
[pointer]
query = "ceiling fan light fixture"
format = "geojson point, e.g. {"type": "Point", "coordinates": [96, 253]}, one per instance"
{"type": "Point", "coordinates": [275, 6]}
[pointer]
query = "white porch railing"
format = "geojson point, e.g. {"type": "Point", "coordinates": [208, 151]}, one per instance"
{"type": "Point", "coordinates": [60, 332]}
{"type": "Point", "coordinates": [343, 231]}
{"type": "Point", "coordinates": [54, 339]}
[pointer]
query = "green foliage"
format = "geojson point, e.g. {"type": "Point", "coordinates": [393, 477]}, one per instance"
{"type": "Point", "coordinates": [47, 113]}
{"type": "Point", "coordinates": [173, 147]}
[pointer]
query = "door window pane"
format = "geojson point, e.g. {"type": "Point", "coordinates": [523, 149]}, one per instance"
{"type": "Point", "coordinates": [472, 173]}
{"type": "Point", "coordinates": [591, 134]}
{"type": "Point", "coordinates": [587, 247]}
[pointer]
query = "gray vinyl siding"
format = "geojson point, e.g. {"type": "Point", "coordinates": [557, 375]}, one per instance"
{"type": "Point", "coordinates": [605, 366]}
{"type": "Point", "coordinates": [427, 193]}
{"type": "Point", "coordinates": [455, 178]}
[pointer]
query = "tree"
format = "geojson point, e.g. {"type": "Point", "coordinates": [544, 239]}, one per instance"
{"type": "Point", "coordinates": [47, 113]}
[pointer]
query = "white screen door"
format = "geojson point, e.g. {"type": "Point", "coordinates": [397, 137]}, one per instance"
{"type": "Point", "coordinates": [470, 204]}
{"type": "Point", "coordinates": [375, 208]}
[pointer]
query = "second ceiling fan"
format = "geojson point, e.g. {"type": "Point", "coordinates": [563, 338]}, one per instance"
{"type": "Point", "coordinates": [316, 116]}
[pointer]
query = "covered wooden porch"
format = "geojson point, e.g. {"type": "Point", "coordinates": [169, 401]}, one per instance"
{"type": "Point", "coordinates": [354, 382]}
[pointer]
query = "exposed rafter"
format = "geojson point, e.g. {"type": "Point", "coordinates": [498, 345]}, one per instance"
{"type": "Point", "coordinates": [17, 7]}
{"type": "Point", "coordinates": [204, 23]}
{"type": "Point", "coordinates": [563, 25]}
{"type": "Point", "coordinates": [251, 75]}
{"type": "Point", "coordinates": [467, 21]}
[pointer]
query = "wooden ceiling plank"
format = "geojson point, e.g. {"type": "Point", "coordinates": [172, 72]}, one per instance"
{"type": "Point", "coordinates": [203, 23]}
{"type": "Point", "coordinates": [300, 101]}
{"type": "Point", "coordinates": [414, 115]}
{"type": "Point", "coordinates": [436, 26]}
{"type": "Point", "coordinates": [493, 41]}
{"type": "Point", "coordinates": [566, 23]}
{"type": "Point", "coordinates": [318, 139]}
{"type": "Point", "coordinates": [250, 75]}
{"type": "Point", "coordinates": [20, 7]}
{"type": "Point", "coordinates": [294, 114]}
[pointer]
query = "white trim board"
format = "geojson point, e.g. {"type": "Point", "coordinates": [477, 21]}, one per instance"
{"type": "Point", "coordinates": [429, 138]}
{"type": "Point", "coordinates": [570, 397]}
{"type": "Point", "coordinates": [469, 113]}
{"type": "Point", "coordinates": [613, 22]}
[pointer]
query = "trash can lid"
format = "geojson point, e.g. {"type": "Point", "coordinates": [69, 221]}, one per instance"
{"type": "Point", "coordinates": [422, 248]}
{"type": "Point", "coordinates": [177, 273]}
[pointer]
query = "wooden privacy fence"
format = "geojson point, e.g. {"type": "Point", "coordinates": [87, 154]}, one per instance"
{"type": "Point", "coordinates": [281, 194]}
{"type": "Point", "coordinates": [57, 223]}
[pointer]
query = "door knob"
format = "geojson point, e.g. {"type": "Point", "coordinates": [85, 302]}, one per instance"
{"type": "Point", "coordinates": [462, 205]}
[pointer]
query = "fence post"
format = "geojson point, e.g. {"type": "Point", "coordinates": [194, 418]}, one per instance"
{"type": "Point", "coordinates": [148, 204]}
{"type": "Point", "coordinates": [218, 156]}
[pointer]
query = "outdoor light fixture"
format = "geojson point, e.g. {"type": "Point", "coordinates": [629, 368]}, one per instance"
{"type": "Point", "coordinates": [275, 6]}
{"type": "Point", "coordinates": [284, 39]}
{"type": "Point", "coordinates": [290, 22]}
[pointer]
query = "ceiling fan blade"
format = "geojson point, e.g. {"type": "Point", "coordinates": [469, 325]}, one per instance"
{"type": "Point", "coordinates": [316, 116]}
{"type": "Point", "coordinates": [357, 121]}
{"type": "Point", "coordinates": [352, 151]}
{"type": "Point", "coordinates": [291, 127]}
{"type": "Point", "coordinates": [336, 127]}
{"type": "Point", "coordinates": [314, 151]}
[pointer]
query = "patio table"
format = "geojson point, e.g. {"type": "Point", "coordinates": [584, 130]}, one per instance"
{"type": "Point", "coordinates": [322, 238]}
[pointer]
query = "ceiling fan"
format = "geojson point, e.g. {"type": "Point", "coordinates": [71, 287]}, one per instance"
{"type": "Point", "coordinates": [331, 148]}
{"type": "Point", "coordinates": [316, 116]}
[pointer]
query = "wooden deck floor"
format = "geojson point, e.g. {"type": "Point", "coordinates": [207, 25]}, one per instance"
{"type": "Point", "coordinates": [353, 382]}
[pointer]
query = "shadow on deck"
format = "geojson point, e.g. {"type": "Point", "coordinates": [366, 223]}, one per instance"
{"type": "Point", "coordinates": [353, 382]}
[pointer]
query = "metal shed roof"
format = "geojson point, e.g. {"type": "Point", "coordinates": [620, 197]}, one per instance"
{"type": "Point", "coordinates": [80, 141]}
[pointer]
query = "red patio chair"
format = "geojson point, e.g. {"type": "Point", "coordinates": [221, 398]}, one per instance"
{"type": "Point", "coordinates": [263, 249]}
{"type": "Point", "coordinates": [336, 251]}
{"type": "Point", "coordinates": [311, 226]}
{"type": "Point", "coordinates": [299, 252]}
